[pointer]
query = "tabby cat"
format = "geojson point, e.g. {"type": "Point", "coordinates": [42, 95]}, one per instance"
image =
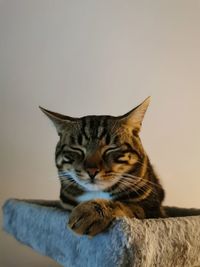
{"type": "Point", "coordinates": [104, 170]}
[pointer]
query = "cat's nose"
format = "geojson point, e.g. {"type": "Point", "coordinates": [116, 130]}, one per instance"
{"type": "Point", "coordinates": [92, 172]}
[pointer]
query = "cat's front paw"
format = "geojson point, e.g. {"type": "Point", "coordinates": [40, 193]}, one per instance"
{"type": "Point", "coordinates": [91, 217]}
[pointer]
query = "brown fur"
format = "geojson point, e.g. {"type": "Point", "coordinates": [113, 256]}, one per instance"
{"type": "Point", "coordinates": [104, 156]}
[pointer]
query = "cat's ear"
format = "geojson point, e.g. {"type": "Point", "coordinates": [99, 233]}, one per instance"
{"type": "Point", "coordinates": [60, 121]}
{"type": "Point", "coordinates": [135, 117]}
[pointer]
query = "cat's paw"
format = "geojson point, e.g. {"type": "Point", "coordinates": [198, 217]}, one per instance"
{"type": "Point", "coordinates": [91, 217]}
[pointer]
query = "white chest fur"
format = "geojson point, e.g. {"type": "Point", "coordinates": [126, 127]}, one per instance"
{"type": "Point", "coordinates": [93, 195]}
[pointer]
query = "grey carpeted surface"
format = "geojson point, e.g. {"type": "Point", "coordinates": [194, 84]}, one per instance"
{"type": "Point", "coordinates": [169, 242]}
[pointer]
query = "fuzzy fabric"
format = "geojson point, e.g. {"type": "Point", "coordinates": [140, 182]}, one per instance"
{"type": "Point", "coordinates": [169, 242]}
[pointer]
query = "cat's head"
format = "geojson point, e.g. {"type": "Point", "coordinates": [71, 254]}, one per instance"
{"type": "Point", "coordinates": [97, 151]}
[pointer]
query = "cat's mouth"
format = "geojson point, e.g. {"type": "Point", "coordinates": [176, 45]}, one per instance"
{"type": "Point", "coordinates": [88, 184]}
{"type": "Point", "coordinates": [96, 184]}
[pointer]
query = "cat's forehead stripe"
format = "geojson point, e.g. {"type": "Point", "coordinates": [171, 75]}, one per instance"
{"type": "Point", "coordinates": [84, 128]}
{"type": "Point", "coordinates": [94, 127]}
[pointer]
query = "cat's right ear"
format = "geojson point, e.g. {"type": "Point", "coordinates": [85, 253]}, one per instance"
{"type": "Point", "coordinates": [60, 121]}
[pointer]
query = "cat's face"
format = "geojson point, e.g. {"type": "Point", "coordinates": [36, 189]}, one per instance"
{"type": "Point", "coordinates": [96, 152]}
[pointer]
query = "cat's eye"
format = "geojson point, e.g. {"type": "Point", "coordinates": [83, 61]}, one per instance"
{"type": "Point", "coordinates": [108, 152]}
{"type": "Point", "coordinates": [72, 154]}
{"type": "Point", "coordinates": [111, 149]}
{"type": "Point", "coordinates": [67, 159]}
{"type": "Point", "coordinates": [77, 150]}
{"type": "Point", "coordinates": [122, 159]}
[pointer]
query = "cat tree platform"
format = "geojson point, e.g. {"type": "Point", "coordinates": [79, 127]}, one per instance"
{"type": "Point", "coordinates": [170, 242]}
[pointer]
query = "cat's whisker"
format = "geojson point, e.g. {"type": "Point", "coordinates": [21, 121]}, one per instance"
{"type": "Point", "coordinates": [137, 190]}
{"type": "Point", "coordinates": [123, 188]}
{"type": "Point", "coordinates": [52, 178]}
{"type": "Point", "coordinates": [141, 187]}
{"type": "Point", "coordinates": [67, 182]}
{"type": "Point", "coordinates": [129, 183]}
{"type": "Point", "coordinates": [127, 175]}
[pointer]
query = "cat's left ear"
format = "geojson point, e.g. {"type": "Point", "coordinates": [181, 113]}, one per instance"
{"type": "Point", "coordinates": [135, 117]}
{"type": "Point", "coordinates": [60, 121]}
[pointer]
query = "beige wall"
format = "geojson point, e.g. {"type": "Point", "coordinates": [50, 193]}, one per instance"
{"type": "Point", "coordinates": [97, 57]}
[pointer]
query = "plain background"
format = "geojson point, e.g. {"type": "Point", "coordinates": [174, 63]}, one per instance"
{"type": "Point", "coordinates": [97, 57]}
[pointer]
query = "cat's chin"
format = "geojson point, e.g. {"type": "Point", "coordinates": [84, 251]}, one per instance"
{"type": "Point", "coordinates": [93, 187]}
{"type": "Point", "coordinates": [96, 187]}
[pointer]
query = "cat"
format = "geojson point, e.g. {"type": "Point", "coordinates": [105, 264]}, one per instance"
{"type": "Point", "coordinates": [104, 170]}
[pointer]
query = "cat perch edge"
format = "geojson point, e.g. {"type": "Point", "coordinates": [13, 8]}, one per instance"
{"type": "Point", "coordinates": [173, 241]}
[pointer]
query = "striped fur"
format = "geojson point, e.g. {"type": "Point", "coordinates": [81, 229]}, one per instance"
{"type": "Point", "coordinates": [103, 157]}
